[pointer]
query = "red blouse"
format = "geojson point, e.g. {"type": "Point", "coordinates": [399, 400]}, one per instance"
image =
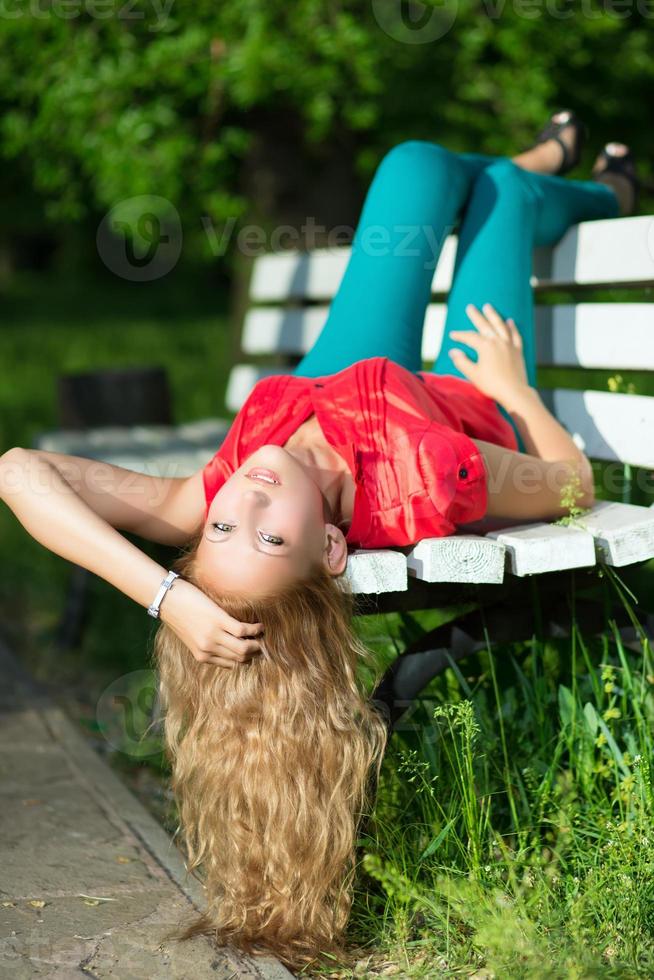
{"type": "Point", "coordinates": [405, 436]}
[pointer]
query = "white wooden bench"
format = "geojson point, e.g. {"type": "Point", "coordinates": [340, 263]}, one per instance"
{"type": "Point", "coordinates": [159, 450]}
{"type": "Point", "coordinates": [290, 294]}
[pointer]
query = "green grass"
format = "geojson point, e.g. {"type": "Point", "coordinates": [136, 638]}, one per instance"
{"type": "Point", "coordinates": [513, 830]}
{"type": "Point", "coordinates": [514, 827]}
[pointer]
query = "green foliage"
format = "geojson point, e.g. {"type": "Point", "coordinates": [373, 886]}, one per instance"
{"type": "Point", "coordinates": [571, 493]}
{"type": "Point", "coordinates": [514, 820]}
{"type": "Point", "coordinates": [105, 100]}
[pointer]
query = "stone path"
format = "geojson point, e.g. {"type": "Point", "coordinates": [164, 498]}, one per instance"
{"type": "Point", "coordinates": [89, 881]}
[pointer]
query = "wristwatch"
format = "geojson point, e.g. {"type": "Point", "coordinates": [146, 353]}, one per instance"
{"type": "Point", "coordinates": [153, 608]}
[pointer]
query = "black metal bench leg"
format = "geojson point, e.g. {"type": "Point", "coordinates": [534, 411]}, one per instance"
{"type": "Point", "coordinates": [414, 669]}
{"type": "Point", "coordinates": [429, 656]}
{"type": "Point", "coordinates": [69, 631]}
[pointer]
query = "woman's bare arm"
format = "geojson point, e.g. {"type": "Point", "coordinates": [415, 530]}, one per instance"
{"type": "Point", "coordinates": [524, 487]}
{"type": "Point", "coordinates": [542, 434]}
{"type": "Point", "coordinates": [168, 510]}
{"type": "Point", "coordinates": [529, 485]}
{"type": "Point", "coordinates": [56, 516]}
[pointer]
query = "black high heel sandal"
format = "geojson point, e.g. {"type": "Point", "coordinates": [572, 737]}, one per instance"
{"type": "Point", "coordinates": [553, 130]}
{"type": "Point", "coordinates": [624, 165]}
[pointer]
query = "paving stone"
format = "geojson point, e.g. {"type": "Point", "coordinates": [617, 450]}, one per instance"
{"type": "Point", "coordinates": [90, 884]}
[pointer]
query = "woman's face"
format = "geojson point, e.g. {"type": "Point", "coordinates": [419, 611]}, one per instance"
{"type": "Point", "coordinates": [267, 526]}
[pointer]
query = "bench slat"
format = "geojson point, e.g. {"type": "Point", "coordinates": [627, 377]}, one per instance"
{"type": "Point", "coordinates": [624, 533]}
{"type": "Point", "coordinates": [156, 450]}
{"type": "Point", "coordinates": [316, 275]}
{"type": "Point", "coordinates": [615, 336]}
{"type": "Point", "coordinates": [608, 426]}
{"type": "Point", "coordinates": [617, 251]}
{"type": "Point", "coordinates": [242, 379]}
{"type": "Point", "coordinates": [613, 251]}
{"type": "Point", "coordinates": [459, 558]}
{"type": "Point", "coordinates": [376, 571]}
{"type": "Point", "coordinates": [275, 330]}
{"type": "Point", "coordinates": [532, 549]}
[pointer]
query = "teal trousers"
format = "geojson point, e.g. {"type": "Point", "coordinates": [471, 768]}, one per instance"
{"type": "Point", "coordinates": [420, 194]}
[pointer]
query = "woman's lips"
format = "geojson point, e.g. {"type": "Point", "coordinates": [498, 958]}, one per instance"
{"type": "Point", "coordinates": [260, 473]}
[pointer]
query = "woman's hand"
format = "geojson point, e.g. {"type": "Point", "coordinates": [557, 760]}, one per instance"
{"type": "Point", "coordinates": [499, 371]}
{"type": "Point", "coordinates": [211, 634]}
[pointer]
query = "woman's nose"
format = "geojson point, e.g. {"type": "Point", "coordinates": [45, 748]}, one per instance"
{"type": "Point", "coordinates": [257, 495]}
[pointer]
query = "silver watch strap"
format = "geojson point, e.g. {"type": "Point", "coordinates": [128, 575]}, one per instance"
{"type": "Point", "coordinates": [153, 608]}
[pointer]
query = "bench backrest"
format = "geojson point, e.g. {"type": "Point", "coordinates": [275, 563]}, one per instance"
{"type": "Point", "coordinates": [290, 292]}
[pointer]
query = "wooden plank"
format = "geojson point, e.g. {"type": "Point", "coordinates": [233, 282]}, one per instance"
{"type": "Point", "coordinates": [275, 330]}
{"type": "Point", "coordinates": [532, 549]}
{"type": "Point", "coordinates": [615, 251]}
{"type": "Point", "coordinates": [279, 330]}
{"type": "Point", "coordinates": [615, 336]}
{"type": "Point", "coordinates": [88, 442]}
{"type": "Point", "coordinates": [459, 558]}
{"type": "Point", "coordinates": [376, 571]}
{"type": "Point", "coordinates": [298, 275]}
{"type": "Point", "coordinates": [242, 379]}
{"type": "Point", "coordinates": [316, 275]}
{"type": "Point", "coordinates": [157, 450]}
{"type": "Point", "coordinates": [609, 426]}
{"type": "Point", "coordinates": [623, 533]}
{"type": "Point", "coordinates": [175, 463]}
{"type": "Point", "coordinates": [180, 462]}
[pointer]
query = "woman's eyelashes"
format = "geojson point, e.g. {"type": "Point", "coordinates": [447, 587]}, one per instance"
{"type": "Point", "coordinates": [267, 538]}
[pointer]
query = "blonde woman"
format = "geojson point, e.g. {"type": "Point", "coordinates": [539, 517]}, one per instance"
{"type": "Point", "coordinates": [274, 744]}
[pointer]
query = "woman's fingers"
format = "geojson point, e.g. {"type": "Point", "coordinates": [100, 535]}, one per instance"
{"type": "Point", "coordinates": [470, 337]}
{"type": "Point", "coordinates": [239, 649]}
{"type": "Point", "coordinates": [223, 656]}
{"type": "Point", "coordinates": [236, 628]}
{"type": "Point", "coordinates": [463, 362]}
{"type": "Point", "coordinates": [479, 320]}
{"type": "Point", "coordinates": [496, 322]}
{"type": "Point", "coordinates": [489, 323]}
{"type": "Point", "coordinates": [516, 336]}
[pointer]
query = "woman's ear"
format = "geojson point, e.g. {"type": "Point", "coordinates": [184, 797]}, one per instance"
{"type": "Point", "coordinates": [335, 551]}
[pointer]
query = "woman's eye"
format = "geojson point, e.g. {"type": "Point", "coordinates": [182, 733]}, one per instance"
{"type": "Point", "coordinates": [268, 538]}
{"type": "Point", "coordinates": [271, 539]}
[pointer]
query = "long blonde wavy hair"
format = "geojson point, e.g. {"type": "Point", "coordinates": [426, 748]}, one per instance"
{"type": "Point", "coordinates": [274, 763]}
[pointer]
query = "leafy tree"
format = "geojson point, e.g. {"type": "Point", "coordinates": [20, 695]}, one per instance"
{"type": "Point", "coordinates": [106, 99]}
